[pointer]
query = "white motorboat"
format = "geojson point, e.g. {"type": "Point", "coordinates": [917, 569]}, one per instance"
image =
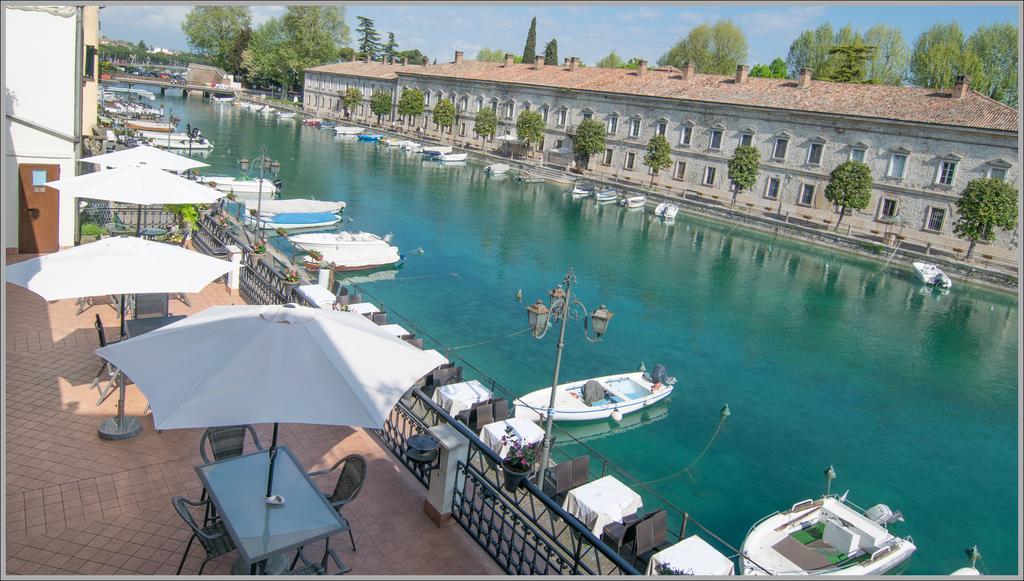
{"type": "Point", "coordinates": [437, 149]}
{"type": "Point", "coordinates": [412, 146]}
{"type": "Point", "coordinates": [583, 189]}
{"type": "Point", "coordinates": [346, 130]}
{"type": "Point", "coordinates": [295, 205]}
{"type": "Point", "coordinates": [666, 210]}
{"type": "Point", "coordinates": [158, 126]}
{"type": "Point", "coordinates": [611, 396]}
{"type": "Point", "coordinates": [973, 555]}
{"type": "Point", "coordinates": [497, 168]}
{"type": "Point", "coordinates": [828, 536]}
{"type": "Point", "coordinates": [296, 220]}
{"type": "Point", "coordinates": [453, 157]}
{"type": "Point", "coordinates": [241, 186]}
{"type": "Point", "coordinates": [606, 196]}
{"type": "Point", "coordinates": [350, 250]}
{"type": "Point", "coordinates": [637, 201]}
{"type": "Point", "coordinates": [177, 141]}
{"type": "Point", "coordinates": [931, 274]}
{"type": "Point", "coordinates": [286, 114]}
{"type": "Point", "coordinates": [224, 99]}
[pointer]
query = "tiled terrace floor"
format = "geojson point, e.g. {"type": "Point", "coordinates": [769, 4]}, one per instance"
{"type": "Point", "coordinates": [78, 504]}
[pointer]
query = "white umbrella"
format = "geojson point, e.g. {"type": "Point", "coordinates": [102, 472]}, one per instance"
{"type": "Point", "coordinates": [506, 138]}
{"type": "Point", "coordinates": [259, 364]}
{"type": "Point", "coordinates": [136, 185]}
{"type": "Point", "coordinates": [146, 156]}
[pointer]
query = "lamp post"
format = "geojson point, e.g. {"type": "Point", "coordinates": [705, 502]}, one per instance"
{"type": "Point", "coordinates": [192, 133]}
{"type": "Point", "coordinates": [830, 475]}
{"type": "Point", "coordinates": [563, 307]}
{"type": "Point", "coordinates": [264, 164]}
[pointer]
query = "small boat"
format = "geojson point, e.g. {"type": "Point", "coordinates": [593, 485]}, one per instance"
{"type": "Point", "coordinates": [411, 146]}
{"type": "Point", "coordinates": [931, 275]}
{"type": "Point", "coordinates": [666, 210]}
{"type": "Point", "coordinates": [611, 396]}
{"type": "Point", "coordinates": [527, 178]}
{"type": "Point", "coordinates": [606, 196]}
{"type": "Point", "coordinates": [200, 144]}
{"type": "Point", "coordinates": [311, 122]}
{"type": "Point", "coordinates": [497, 168]}
{"type": "Point", "coordinates": [636, 201]}
{"type": "Point", "coordinates": [347, 130]}
{"type": "Point", "coordinates": [437, 149]}
{"type": "Point", "coordinates": [220, 99]}
{"type": "Point", "coordinates": [267, 109]}
{"type": "Point", "coordinates": [828, 536]}
{"type": "Point", "coordinates": [296, 220]}
{"type": "Point", "coordinates": [583, 189]}
{"type": "Point", "coordinates": [369, 136]}
{"type": "Point", "coordinates": [241, 186]}
{"type": "Point", "coordinates": [296, 205]}
{"type": "Point", "coordinates": [286, 114]}
{"type": "Point", "coordinates": [453, 157]}
{"type": "Point", "coordinates": [972, 556]}
{"type": "Point", "coordinates": [350, 250]}
{"type": "Point", "coordinates": [157, 126]}
{"type": "Point", "coordinates": [327, 124]}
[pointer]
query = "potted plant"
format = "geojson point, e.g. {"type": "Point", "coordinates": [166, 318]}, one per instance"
{"type": "Point", "coordinates": [258, 250]}
{"type": "Point", "coordinates": [518, 463]}
{"type": "Point", "coordinates": [281, 232]}
{"type": "Point", "coordinates": [291, 277]}
{"type": "Point", "coordinates": [666, 569]}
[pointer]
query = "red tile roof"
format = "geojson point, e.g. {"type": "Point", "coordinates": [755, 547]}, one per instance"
{"type": "Point", "coordinates": [913, 104]}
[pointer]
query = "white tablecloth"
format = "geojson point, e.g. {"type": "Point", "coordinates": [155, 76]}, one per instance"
{"type": "Point", "coordinates": [318, 295]}
{"type": "Point", "coordinates": [456, 397]}
{"type": "Point", "coordinates": [602, 501]}
{"type": "Point", "coordinates": [396, 330]}
{"type": "Point", "coordinates": [692, 554]}
{"type": "Point", "coordinates": [363, 308]}
{"type": "Point", "coordinates": [527, 431]}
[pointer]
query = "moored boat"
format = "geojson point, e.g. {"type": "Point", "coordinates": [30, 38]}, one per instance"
{"type": "Point", "coordinates": [241, 186]}
{"type": "Point", "coordinates": [327, 124]}
{"type": "Point", "coordinates": [611, 396]}
{"type": "Point", "coordinates": [296, 220]}
{"type": "Point", "coordinates": [497, 168]}
{"type": "Point", "coordinates": [312, 122]}
{"type": "Point", "coordinates": [350, 250]}
{"type": "Point", "coordinates": [606, 196]}
{"type": "Point", "coordinates": [286, 114]}
{"type": "Point", "coordinates": [222, 99]}
{"type": "Point", "coordinates": [666, 210]}
{"type": "Point", "coordinates": [347, 130]}
{"type": "Point", "coordinates": [296, 205]}
{"type": "Point", "coordinates": [636, 201]}
{"type": "Point", "coordinates": [453, 157]}
{"type": "Point", "coordinates": [931, 275]}
{"type": "Point", "coordinates": [583, 189]}
{"type": "Point", "coordinates": [370, 136]}
{"type": "Point", "coordinates": [437, 149]}
{"type": "Point", "coordinates": [157, 126]}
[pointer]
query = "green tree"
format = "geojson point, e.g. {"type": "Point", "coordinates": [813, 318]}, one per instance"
{"type": "Point", "coordinates": [986, 204]}
{"type": "Point", "coordinates": [486, 124]}
{"type": "Point", "coordinates": [444, 115]}
{"type": "Point", "coordinates": [530, 50]}
{"type": "Point", "coordinates": [212, 31]}
{"type": "Point", "coordinates": [849, 186]}
{"type": "Point", "coordinates": [390, 50]}
{"type": "Point", "coordinates": [530, 127]}
{"type": "Point", "coordinates": [743, 169]}
{"type": "Point", "coordinates": [848, 62]}
{"type": "Point", "coordinates": [351, 99]}
{"type": "Point", "coordinates": [775, 70]}
{"type": "Point", "coordinates": [713, 49]}
{"type": "Point", "coordinates": [265, 59]}
{"type": "Point", "coordinates": [233, 62]}
{"type": "Point", "coordinates": [889, 64]}
{"type": "Point", "coordinates": [410, 104]}
{"type": "Point", "coordinates": [996, 49]}
{"type": "Point", "coordinates": [414, 56]}
{"type": "Point", "coordinates": [940, 54]}
{"type": "Point", "coordinates": [496, 55]}
{"type": "Point", "coordinates": [589, 139]}
{"type": "Point", "coordinates": [810, 50]}
{"type": "Point", "coordinates": [369, 38]}
{"type": "Point", "coordinates": [346, 53]}
{"type": "Point", "coordinates": [380, 104]}
{"type": "Point", "coordinates": [658, 156]}
{"type": "Point", "coordinates": [551, 52]}
{"type": "Point", "coordinates": [612, 61]}
{"type": "Point", "coordinates": [313, 36]}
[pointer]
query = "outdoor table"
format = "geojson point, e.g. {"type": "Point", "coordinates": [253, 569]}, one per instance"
{"type": "Point", "coordinates": [237, 488]}
{"type": "Point", "coordinates": [152, 232]}
{"type": "Point", "coordinates": [136, 327]}
{"type": "Point", "coordinates": [693, 555]}
{"type": "Point", "coordinates": [363, 308]}
{"type": "Point", "coordinates": [527, 432]}
{"type": "Point", "coordinates": [456, 397]}
{"type": "Point", "coordinates": [602, 501]}
{"type": "Point", "coordinates": [396, 330]}
{"type": "Point", "coordinates": [318, 295]}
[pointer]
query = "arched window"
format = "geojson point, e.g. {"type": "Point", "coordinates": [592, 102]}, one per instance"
{"type": "Point", "coordinates": [612, 123]}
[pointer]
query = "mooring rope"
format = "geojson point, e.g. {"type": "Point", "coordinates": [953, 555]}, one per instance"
{"type": "Point", "coordinates": [519, 332]}
{"type": "Point", "coordinates": [721, 422]}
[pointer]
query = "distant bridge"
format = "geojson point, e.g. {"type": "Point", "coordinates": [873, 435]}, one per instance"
{"type": "Point", "coordinates": [165, 84]}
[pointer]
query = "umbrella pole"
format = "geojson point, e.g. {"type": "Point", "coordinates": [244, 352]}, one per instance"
{"type": "Point", "coordinates": [122, 309]}
{"type": "Point", "coordinates": [138, 222]}
{"type": "Point", "coordinates": [273, 457]}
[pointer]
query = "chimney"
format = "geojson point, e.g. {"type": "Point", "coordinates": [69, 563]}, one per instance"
{"type": "Point", "coordinates": [688, 71]}
{"type": "Point", "coordinates": [565, 61]}
{"type": "Point", "coordinates": [741, 74]}
{"type": "Point", "coordinates": [963, 82]}
{"type": "Point", "coordinates": [573, 63]}
{"type": "Point", "coordinates": [643, 68]}
{"type": "Point", "coordinates": [805, 78]}
{"type": "Point", "coordinates": [538, 63]}
{"type": "Point", "coordinates": [510, 59]}
{"type": "Point", "coordinates": [458, 57]}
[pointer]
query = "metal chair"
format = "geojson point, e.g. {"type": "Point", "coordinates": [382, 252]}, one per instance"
{"type": "Point", "coordinates": [500, 409]}
{"type": "Point", "coordinates": [619, 535]}
{"type": "Point", "coordinates": [151, 305]}
{"type": "Point", "coordinates": [350, 482]}
{"type": "Point", "coordinates": [226, 442]}
{"type": "Point", "coordinates": [558, 481]}
{"type": "Point", "coordinates": [213, 537]}
{"type": "Point", "coordinates": [580, 470]}
{"type": "Point", "coordinates": [651, 536]}
{"type": "Point", "coordinates": [108, 369]}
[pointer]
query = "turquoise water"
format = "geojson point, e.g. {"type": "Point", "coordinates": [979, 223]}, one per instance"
{"type": "Point", "coordinates": [823, 358]}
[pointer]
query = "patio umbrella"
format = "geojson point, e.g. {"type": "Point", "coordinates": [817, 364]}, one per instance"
{"type": "Point", "coordinates": [146, 156]}
{"type": "Point", "coordinates": [260, 364]}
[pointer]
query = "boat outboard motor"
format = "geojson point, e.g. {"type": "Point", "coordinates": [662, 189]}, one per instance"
{"type": "Point", "coordinates": [657, 375]}
{"type": "Point", "coordinates": [883, 515]}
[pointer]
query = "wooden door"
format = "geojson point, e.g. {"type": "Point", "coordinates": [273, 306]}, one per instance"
{"type": "Point", "coordinates": [37, 208]}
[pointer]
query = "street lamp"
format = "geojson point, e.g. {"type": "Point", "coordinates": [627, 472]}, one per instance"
{"type": "Point", "coordinates": [264, 164]}
{"type": "Point", "coordinates": [563, 307]}
{"type": "Point", "coordinates": [192, 133]}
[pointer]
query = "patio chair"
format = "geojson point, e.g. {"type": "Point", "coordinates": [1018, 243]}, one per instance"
{"type": "Point", "coordinates": [107, 369]}
{"type": "Point", "coordinates": [118, 228]}
{"type": "Point", "coordinates": [212, 537]}
{"type": "Point", "coordinates": [149, 305]}
{"type": "Point", "coordinates": [350, 482]}
{"type": "Point", "coordinates": [558, 481]}
{"type": "Point", "coordinates": [651, 537]}
{"type": "Point", "coordinates": [310, 567]}
{"type": "Point", "coordinates": [480, 416]}
{"type": "Point", "coordinates": [379, 318]}
{"type": "Point", "coordinates": [500, 409]}
{"type": "Point", "coordinates": [619, 535]}
{"type": "Point", "coordinates": [225, 442]}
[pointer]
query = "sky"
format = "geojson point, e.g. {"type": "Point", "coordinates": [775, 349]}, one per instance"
{"type": "Point", "coordinates": [589, 31]}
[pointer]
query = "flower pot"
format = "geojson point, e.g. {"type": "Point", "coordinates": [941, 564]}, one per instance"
{"type": "Point", "coordinates": [514, 477]}
{"type": "Point", "coordinates": [254, 257]}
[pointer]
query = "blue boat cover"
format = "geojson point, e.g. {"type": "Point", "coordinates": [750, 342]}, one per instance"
{"type": "Point", "coordinates": [303, 218]}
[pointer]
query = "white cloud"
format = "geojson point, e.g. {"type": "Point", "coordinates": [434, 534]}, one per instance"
{"type": "Point", "coordinates": [644, 13]}
{"type": "Point", "coordinates": [261, 14]}
{"type": "Point", "coordinates": [779, 21]}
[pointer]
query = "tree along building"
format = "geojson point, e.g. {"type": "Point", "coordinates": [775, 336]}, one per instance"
{"type": "Point", "coordinates": [922, 145]}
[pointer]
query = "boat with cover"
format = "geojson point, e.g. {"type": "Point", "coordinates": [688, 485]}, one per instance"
{"type": "Point", "coordinates": [157, 126]}
{"type": "Point", "coordinates": [497, 168]}
{"type": "Point", "coordinates": [583, 189]}
{"type": "Point", "coordinates": [931, 274]}
{"type": "Point", "coordinates": [242, 187]}
{"type": "Point", "coordinates": [347, 130]}
{"type": "Point", "coordinates": [611, 396]}
{"type": "Point", "coordinates": [350, 250]}
{"type": "Point", "coordinates": [827, 536]}
{"type": "Point", "coordinates": [370, 136]}
{"type": "Point", "coordinates": [295, 205]}
{"type": "Point", "coordinates": [296, 220]}
{"type": "Point", "coordinates": [286, 114]}
{"type": "Point", "coordinates": [637, 201]}
{"type": "Point", "coordinates": [453, 157]}
{"type": "Point", "coordinates": [606, 196]}
{"type": "Point", "coordinates": [220, 99]}
{"type": "Point", "coordinates": [312, 122]}
{"type": "Point", "coordinates": [666, 210]}
{"type": "Point", "coordinates": [328, 124]}
{"type": "Point", "coordinates": [412, 146]}
{"type": "Point", "coordinates": [437, 149]}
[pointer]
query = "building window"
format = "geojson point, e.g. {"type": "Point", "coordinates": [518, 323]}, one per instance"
{"type": "Point", "coordinates": [936, 216]}
{"type": "Point", "coordinates": [746, 139]}
{"type": "Point", "coordinates": [771, 190]}
{"type": "Point", "coordinates": [781, 145]}
{"type": "Point", "coordinates": [997, 173]}
{"type": "Point", "coordinates": [709, 176]}
{"type": "Point", "coordinates": [613, 124]}
{"type": "Point", "coordinates": [630, 160]}
{"type": "Point", "coordinates": [588, 115]}
{"type": "Point", "coordinates": [510, 109]}
{"type": "Point", "coordinates": [806, 195]}
{"type": "Point", "coordinates": [558, 143]}
{"type": "Point", "coordinates": [716, 139]}
{"type": "Point", "coordinates": [897, 165]}
{"type": "Point", "coordinates": [634, 128]}
{"type": "Point", "coordinates": [462, 130]}
{"type": "Point", "coordinates": [463, 104]}
{"type": "Point", "coordinates": [526, 107]}
{"type": "Point", "coordinates": [661, 128]}
{"type": "Point", "coordinates": [887, 209]}
{"type": "Point", "coordinates": [685, 136]}
{"type": "Point", "coordinates": [607, 157]}
{"type": "Point", "coordinates": [544, 113]}
{"type": "Point", "coordinates": [494, 105]}
{"type": "Point", "coordinates": [562, 115]}
{"type": "Point", "coordinates": [947, 172]}
{"type": "Point", "coordinates": [857, 154]}
{"type": "Point", "coordinates": [814, 153]}
{"type": "Point", "coordinates": [680, 171]}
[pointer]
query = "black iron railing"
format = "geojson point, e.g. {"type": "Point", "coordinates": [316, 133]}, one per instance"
{"type": "Point", "coordinates": [123, 218]}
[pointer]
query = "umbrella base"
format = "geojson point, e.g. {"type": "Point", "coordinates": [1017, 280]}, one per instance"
{"type": "Point", "coordinates": [128, 428]}
{"type": "Point", "coordinates": [276, 565]}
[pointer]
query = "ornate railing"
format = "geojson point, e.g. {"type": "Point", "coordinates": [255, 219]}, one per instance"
{"type": "Point", "coordinates": [127, 215]}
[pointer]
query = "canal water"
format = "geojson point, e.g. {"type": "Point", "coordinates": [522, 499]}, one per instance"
{"type": "Point", "coordinates": [823, 358]}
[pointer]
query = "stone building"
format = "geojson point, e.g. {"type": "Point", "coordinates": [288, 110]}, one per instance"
{"type": "Point", "coordinates": [922, 145]}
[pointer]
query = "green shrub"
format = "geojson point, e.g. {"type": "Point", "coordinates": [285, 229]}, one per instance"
{"type": "Point", "coordinates": [93, 230]}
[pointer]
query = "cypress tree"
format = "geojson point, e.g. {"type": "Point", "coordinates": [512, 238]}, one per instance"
{"type": "Point", "coordinates": [551, 52]}
{"type": "Point", "coordinates": [530, 51]}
